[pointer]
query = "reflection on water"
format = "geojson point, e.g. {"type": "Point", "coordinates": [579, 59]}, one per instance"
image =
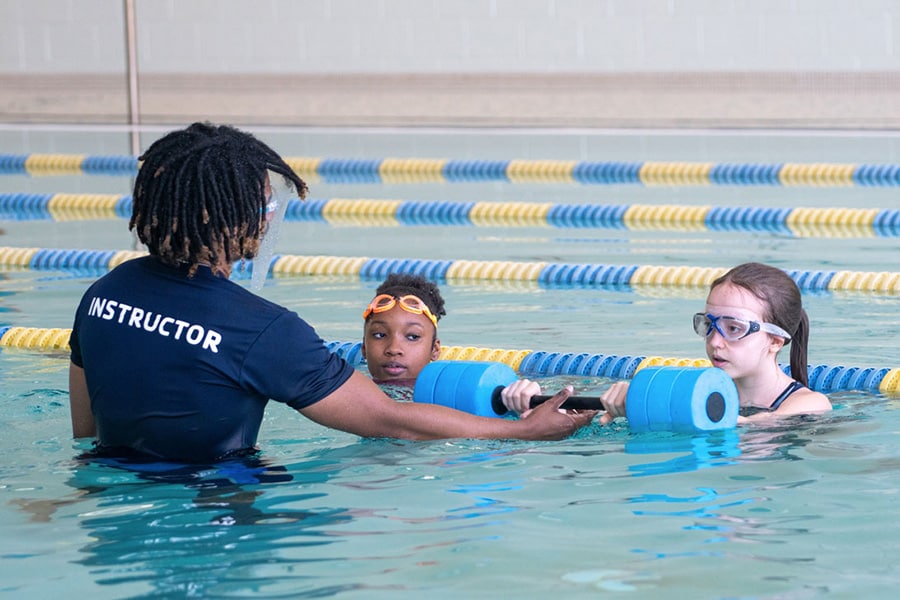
{"type": "Point", "coordinates": [195, 530]}
{"type": "Point", "coordinates": [607, 511]}
{"type": "Point", "coordinates": [694, 452]}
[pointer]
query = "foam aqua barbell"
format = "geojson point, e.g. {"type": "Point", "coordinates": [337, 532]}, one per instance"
{"type": "Point", "coordinates": [690, 399]}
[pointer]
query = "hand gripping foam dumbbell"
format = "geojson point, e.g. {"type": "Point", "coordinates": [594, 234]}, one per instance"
{"type": "Point", "coordinates": [659, 398]}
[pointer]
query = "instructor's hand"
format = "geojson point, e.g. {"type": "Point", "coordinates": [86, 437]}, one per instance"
{"type": "Point", "coordinates": [548, 422]}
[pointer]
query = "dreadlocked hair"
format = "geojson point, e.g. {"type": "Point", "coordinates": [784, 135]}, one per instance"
{"type": "Point", "coordinates": [783, 302]}
{"type": "Point", "coordinates": [200, 196]}
{"type": "Point", "coordinates": [402, 284]}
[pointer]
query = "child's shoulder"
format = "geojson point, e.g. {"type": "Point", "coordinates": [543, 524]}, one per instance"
{"type": "Point", "coordinates": [806, 400]}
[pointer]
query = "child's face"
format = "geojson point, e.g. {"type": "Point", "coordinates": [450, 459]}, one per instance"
{"type": "Point", "coordinates": [398, 344]}
{"type": "Point", "coordinates": [747, 356]}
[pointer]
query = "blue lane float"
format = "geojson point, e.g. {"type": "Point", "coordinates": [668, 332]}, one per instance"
{"type": "Point", "coordinates": [434, 213]}
{"type": "Point", "coordinates": [588, 215]}
{"type": "Point", "coordinates": [341, 170]}
{"type": "Point", "coordinates": [732, 218]}
{"type": "Point", "coordinates": [811, 281]}
{"type": "Point", "coordinates": [109, 165]}
{"type": "Point", "coordinates": [25, 207]}
{"type": "Point", "coordinates": [607, 172]}
{"type": "Point", "coordinates": [79, 260]}
{"type": "Point", "coordinates": [887, 223]}
{"type": "Point", "coordinates": [563, 275]}
{"type": "Point", "coordinates": [13, 164]}
{"type": "Point", "coordinates": [307, 210]}
{"type": "Point", "coordinates": [124, 207]}
{"type": "Point", "coordinates": [378, 268]}
{"type": "Point", "coordinates": [475, 170]}
{"type": "Point", "coordinates": [745, 174]}
{"type": "Point", "coordinates": [877, 175]}
{"type": "Point", "coordinates": [542, 364]}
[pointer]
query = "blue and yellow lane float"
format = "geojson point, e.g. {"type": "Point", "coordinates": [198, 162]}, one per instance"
{"type": "Point", "coordinates": [541, 274]}
{"type": "Point", "coordinates": [420, 170]}
{"type": "Point", "coordinates": [798, 221]}
{"type": "Point", "coordinates": [534, 363]}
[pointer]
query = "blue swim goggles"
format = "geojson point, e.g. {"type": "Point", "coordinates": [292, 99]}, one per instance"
{"type": "Point", "coordinates": [733, 329]}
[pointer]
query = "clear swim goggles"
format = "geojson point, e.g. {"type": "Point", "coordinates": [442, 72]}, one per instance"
{"type": "Point", "coordinates": [411, 304]}
{"type": "Point", "coordinates": [269, 212]}
{"type": "Point", "coordinates": [733, 329]}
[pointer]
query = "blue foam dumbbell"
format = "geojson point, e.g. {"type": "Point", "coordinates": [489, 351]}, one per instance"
{"type": "Point", "coordinates": [659, 398]}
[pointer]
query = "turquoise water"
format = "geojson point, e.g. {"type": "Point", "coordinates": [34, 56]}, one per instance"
{"type": "Point", "coordinates": [799, 510]}
{"type": "Point", "coordinates": [803, 509]}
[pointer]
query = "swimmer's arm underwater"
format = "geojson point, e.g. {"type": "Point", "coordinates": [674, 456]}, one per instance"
{"type": "Point", "coordinates": [83, 424]}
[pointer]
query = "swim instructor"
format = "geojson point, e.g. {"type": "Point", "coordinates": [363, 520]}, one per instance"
{"type": "Point", "coordinates": [172, 360]}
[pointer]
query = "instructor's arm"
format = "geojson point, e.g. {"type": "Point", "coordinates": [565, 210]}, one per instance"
{"type": "Point", "coordinates": [80, 404]}
{"type": "Point", "coordinates": [360, 407]}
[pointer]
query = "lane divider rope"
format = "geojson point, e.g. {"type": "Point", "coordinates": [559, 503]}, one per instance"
{"type": "Point", "coordinates": [799, 221]}
{"type": "Point", "coordinates": [823, 378]}
{"type": "Point", "coordinates": [425, 170]}
{"type": "Point", "coordinates": [542, 274]}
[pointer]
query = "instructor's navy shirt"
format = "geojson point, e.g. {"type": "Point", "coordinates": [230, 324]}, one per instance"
{"type": "Point", "coordinates": [181, 368]}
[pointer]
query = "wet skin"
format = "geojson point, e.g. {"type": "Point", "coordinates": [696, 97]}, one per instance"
{"type": "Point", "coordinates": [398, 344]}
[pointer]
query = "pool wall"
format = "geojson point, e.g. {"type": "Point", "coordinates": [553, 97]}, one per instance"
{"type": "Point", "coordinates": [618, 63]}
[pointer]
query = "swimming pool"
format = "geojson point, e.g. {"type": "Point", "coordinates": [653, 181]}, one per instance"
{"type": "Point", "coordinates": [802, 509]}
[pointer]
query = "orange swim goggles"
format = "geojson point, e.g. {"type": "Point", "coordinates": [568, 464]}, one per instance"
{"type": "Point", "coordinates": [411, 304]}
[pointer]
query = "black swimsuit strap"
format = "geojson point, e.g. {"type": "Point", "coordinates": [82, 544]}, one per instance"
{"type": "Point", "coordinates": [790, 389]}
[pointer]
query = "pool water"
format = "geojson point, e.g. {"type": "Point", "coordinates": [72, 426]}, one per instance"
{"type": "Point", "coordinates": [801, 509]}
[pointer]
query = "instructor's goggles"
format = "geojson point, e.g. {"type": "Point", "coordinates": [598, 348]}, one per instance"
{"type": "Point", "coordinates": [268, 213]}
{"type": "Point", "coordinates": [411, 304]}
{"type": "Point", "coordinates": [733, 329]}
